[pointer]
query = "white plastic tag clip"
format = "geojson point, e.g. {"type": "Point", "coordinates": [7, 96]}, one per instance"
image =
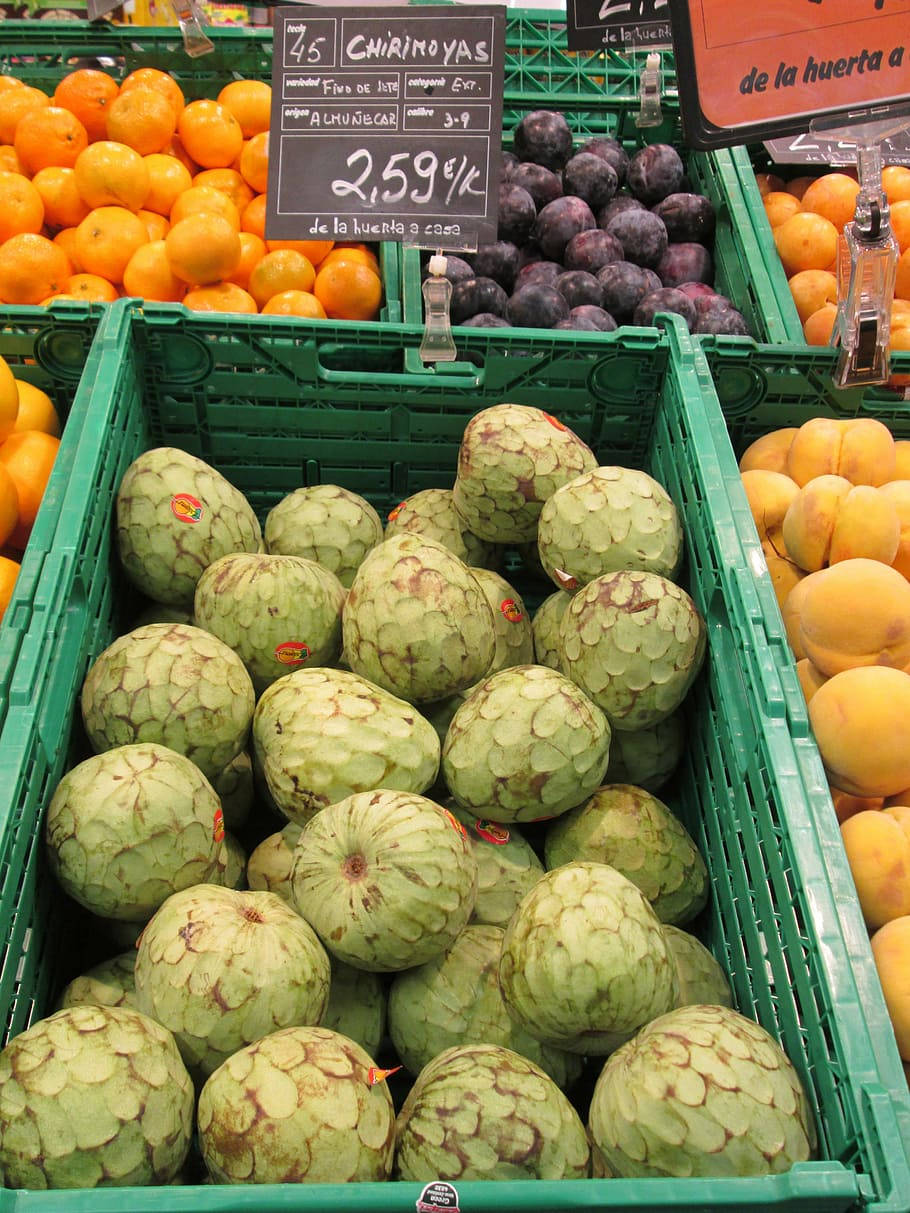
{"type": "Point", "coordinates": [650, 113]}
{"type": "Point", "coordinates": [195, 41]}
{"type": "Point", "coordinates": [437, 343]}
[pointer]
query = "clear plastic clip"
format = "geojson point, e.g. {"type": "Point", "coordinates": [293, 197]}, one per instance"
{"type": "Point", "coordinates": [437, 343]}
{"type": "Point", "coordinates": [650, 113]}
{"type": "Point", "coordinates": [190, 19]}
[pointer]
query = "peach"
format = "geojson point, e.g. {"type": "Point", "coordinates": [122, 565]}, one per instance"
{"type": "Point", "coordinates": [896, 182]}
{"type": "Point", "coordinates": [769, 452]}
{"type": "Point", "coordinates": [784, 573]}
{"type": "Point", "coordinates": [861, 721]}
{"type": "Point", "coordinates": [767, 182]}
{"type": "Point", "coordinates": [797, 186]}
{"type": "Point", "coordinates": [846, 805]}
{"type": "Point", "coordinates": [867, 525]}
{"type": "Point", "coordinates": [899, 798]}
{"type": "Point", "coordinates": [810, 520]}
{"type": "Point", "coordinates": [815, 449]}
{"type": "Point", "coordinates": [834, 196]}
{"type": "Point", "coordinates": [805, 242]}
{"type": "Point", "coordinates": [810, 677]}
{"type": "Point", "coordinates": [891, 953]}
{"type": "Point", "coordinates": [779, 206]}
{"type": "Point", "coordinates": [791, 612]}
{"type": "Point", "coordinates": [878, 850]}
{"type": "Point", "coordinates": [769, 495]}
{"type": "Point", "coordinates": [818, 328]}
{"type": "Point", "coordinates": [898, 493]}
{"type": "Point", "coordinates": [811, 290]}
{"type": "Point", "coordinates": [901, 459]}
{"type": "Point", "coordinates": [902, 281]}
{"type": "Point", "coordinates": [859, 449]}
{"type": "Point", "coordinates": [856, 613]}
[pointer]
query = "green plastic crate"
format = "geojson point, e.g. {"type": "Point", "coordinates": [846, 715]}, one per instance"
{"type": "Point", "coordinates": [274, 405]}
{"type": "Point", "coordinates": [54, 349]}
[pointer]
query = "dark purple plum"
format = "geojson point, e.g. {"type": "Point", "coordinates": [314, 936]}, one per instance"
{"type": "Point", "coordinates": [457, 269]}
{"type": "Point", "coordinates": [541, 183]}
{"type": "Point", "coordinates": [623, 285]}
{"type": "Point", "coordinates": [536, 307]}
{"type": "Point", "coordinates": [654, 172]}
{"type": "Point", "coordinates": [622, 202]}
{"type": "Point", "coordinates": [642, 236]}
{"type": "Point", "coordinates": [544, 137]}
{"type": "Point", "coordinates": [696, 290]}
{"type": "Point", "coordinates": [558, 222]}
{"type": "Point", "coordinates": [545, 272]}
{"type": "Point", "coordinates": [579, 323]}
{"type": "Point", "coordinates": [587, 176]}
{"type": "Point", "coordinates": [652, 279]}
{"type": "Point", "coordinates": [509, 161]}
{"type": "Point", "coordinates": [722, 321]}
{"type": "Point", "coordinates": [529, 252]}
{"type": "Point", "coordinates": [601, 319]}
{"type": "Point", "coordinates": [590, 250]}
{"type": "Point", "coordinates": [517, 213]}
{"type": "Point", "coordinates": [687, 217]}
{"type": "Point", "coordinates": [685, 262]}
{"type": "Point", "coordinates": [665, 300]}
{"type": "Point", "coordinates": [498, 261]}
{"type": "Point", "coordinates": [474, 295]}
{"type": "Point", "coordinates": [578, 287]}
{"type": "Point", "coordinates": [485, 320]}
{"type": "Point", "coordinates": [610, 150]}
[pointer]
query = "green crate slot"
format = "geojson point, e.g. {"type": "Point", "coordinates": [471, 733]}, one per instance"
{"type": "Point", "coordinates": [274, 404]}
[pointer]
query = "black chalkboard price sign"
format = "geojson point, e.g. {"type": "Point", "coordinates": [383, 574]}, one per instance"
{"type": "Point", "coordinates": [386, 124]}
{"type": "Point", "coordinates": [616, 24]}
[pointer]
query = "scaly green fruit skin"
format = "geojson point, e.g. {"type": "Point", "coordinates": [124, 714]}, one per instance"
{"type": "Point", "coordinates": [356, 1006]}
{"type": "Point", "coordinates": [325, 523]}
{"type": "Point", "coordinates": [511, 459]}
{"type": "Point", "coordinates": [268, 868]}
{"type": "Point", "coordinates": [609, 519]}
{"type": "Point", "coordinates": [109, 984]}
{"type": "Point", "coordinates": [234, 788]}
{"type": "Point", "coordinates": [127, 828]}
{"type": "Point", "coordinates": [507, 866]}
{"type": "Point", "coordinates": [526, 744]}
{"type": "Point", "coordinates": [584, 962]}
{"type": "Point", "coordinates": [387, 879]}
{"type": "Point", "coordinates": [454, 999]}
{"type": "Point", "coordinates": [514, 642]}
{"type": "Point", "coordinates": [701, 1091]}
{"type": "Point", "coordinates": [701, 978]}
{"type": "Point", "coordinates": [416, 621]}
{"type": "Point", "coordinates": [545, 628]}
{"type": "Point", "coordinates": [175, 685]}
{"type": "Point", "coordinates": [297, 1106]}
{"type": "Point", "coordinates": [276, 612]}
{"type": "Point", "coordinates": [635, 833]}
{"type": "Point", "coordinates": [648, 757]}
{"type": "Point", "coordinates": [377, 741]}
{"type": "Point", "coordinates": [220, 969]}
{"type": "Point", "coordinates": [634, 642]}
{"type": "Point", "coordinates": [431, 512]}
{"type": "Point", "coordinates": [484, 1112]}
{"type": "Point", "coordinates": [231, 870]}
{"type": "Point", "coordinates": [175, 516]}
{"type": "Point", "coordinates": [93, 1097]}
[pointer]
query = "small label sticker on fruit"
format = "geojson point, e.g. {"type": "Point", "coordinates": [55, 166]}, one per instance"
{"type": "Point", "coordinates": [218, 826]}
{"type": "Point", "coordinates": [492, 831]}
{"type": "Point", "coordinates": [186, 507]}
{"type": "Point", "coordinates": [455, 822]}
{"type": "Point", "coordinates": [292, 652]}
{"type": "Point", "coordinates": [436, 1196]}
{"type": "Point", "coordinates": [566, 580]}
{"type": "Point", "coordinates": [511, 610]}
{"type": "Point", "coordinates": [393, 514]}
{"type": "Point", "coordinates": [555, 422]}
{"type": "Point", "coordinates": [376, 1074]}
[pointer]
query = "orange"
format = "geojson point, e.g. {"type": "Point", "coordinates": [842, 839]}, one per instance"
{"type": "Point", "coordinates": [797, 186]}
{"type": "Point", "coordinates": [254, 162]}
{"type": "Point", "coordinates": [176, 149]}
{"type": "Point", "coordinates": [294, 303]}
{"type": "Point", "coordinates": [49, 136]}
{"type": "Point", "coordinates": [143, 119]}
{"type": "Point", "coordinates": [283, 270]}
{"type": "Point", "coordinates": [252, 217]}
{"type": "Point", "coordinates": [66, 240]}
{"type": "Point", "coordinates": [14, 104]}
{"type": "Point", "coordinates": [203, 249]}
{"type": "Point", "coordinates": [348, 291]}
{"type": "Point", "coordinates": [210, 134]}
{"type": "Point", "coordinates": [9, 571]}
{"type": "Point", "coordinates": [767, 182]}
{"type": "Point", "coordinates": [204, 200]}
{"type": "Point", "coordinates": [106, 239]}
{"type": "Point", "coordinates": [88, 94]}
{"type": "Point", "coordinates": [833, 196]}
{"type": "Point", "coordinates": [36, 410]}
{"type": "Point", "coordinates": [28, 456]}
{"type": "Point", "coordinates": [21, 208]}
{"type": "Point", "coordinates": [9, 82]}
{"type": "Point", "coordinates": [896, 182]}
{"type": "Point", "coordinates": [361, 254]}
{"type": "Point", "coordinates": [9, 161]}
{"type": "Point", "coordinates": [220, 297]}
{"type": "Point", "coordinates": [900, 223]}
{"type": "Point", "coordinates": [313, 250]}
{"type": "Point", "coordinates": [812, 289]}
{"type": "Point", "coordinates": [806, 242]}
{"type": "Point", "coordinates": [112, 174]}
{"type": "Point", "coordinates": [250, 101]}
{"type": "Point", "coordinates": [148, 275]}
{"type": "Point", "coordinates": [91, 288]}
{"type": "Point", "coordinates": [156, 225]}
{"type": "Point", "coordinates": [779, 206]}
{"type": "Point", "coordinates": [9, 400]}
{"type": "Point", "coordinates": [820, 324]}
{"type": "Point", "coordinates": [63, 205]}
{"type": "Point", "coordinates": [9, 510]}
{"type": "Point", "coordinates": [31, 268]}
{"type": "Point", "coordinates": [229, 181]}
{"type": "Point", "coordinates": [168, 179]}
{"type": "Point", "coordinates": [902, 282]}
{"type": "Point", "coordinates": [152, 77]}
{"type": "Point", "coordinates": [252, 250]}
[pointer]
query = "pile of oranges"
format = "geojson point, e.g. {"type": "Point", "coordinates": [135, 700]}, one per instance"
{"type": "Point", "coordinates": [807, 217]}
{"type": "Point", "coordinates": [114, 188]}
{"type": "Point", "coordinates": [29, 438]}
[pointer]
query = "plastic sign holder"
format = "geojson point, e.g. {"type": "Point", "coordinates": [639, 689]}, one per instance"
{"type": "Point", "coordinates": [437, 343]}
{"type": "Point", "coordinates": [190, 19]}
{"type": "Point", "coordinates": [650, 113]}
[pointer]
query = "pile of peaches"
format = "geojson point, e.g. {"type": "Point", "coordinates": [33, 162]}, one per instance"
{"type": "Point", "coordinates": [831, 502]}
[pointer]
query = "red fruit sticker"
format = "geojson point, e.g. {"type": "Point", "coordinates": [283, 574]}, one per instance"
{"type": "Point", "coordinates": [455, 822]}
{"type": "Point", "coordinates": [376, 1075]}
{"type": "Point", "coordinates": [186, 507]}
{"type": "Point", "coordinates": [492, 831]}
{"type": "Point", "coordinates": [393, 514]}
{"type": "Point", "coordinates": [566, 580]}
{"type": "Point", "coordinates": [218, 826]}
{"type": "Point", "coordinates": [292, 652]}
{"type": "Point", "coordinates": [558, 425]}
{"type": "Point", "coordinates": [511, 610]}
